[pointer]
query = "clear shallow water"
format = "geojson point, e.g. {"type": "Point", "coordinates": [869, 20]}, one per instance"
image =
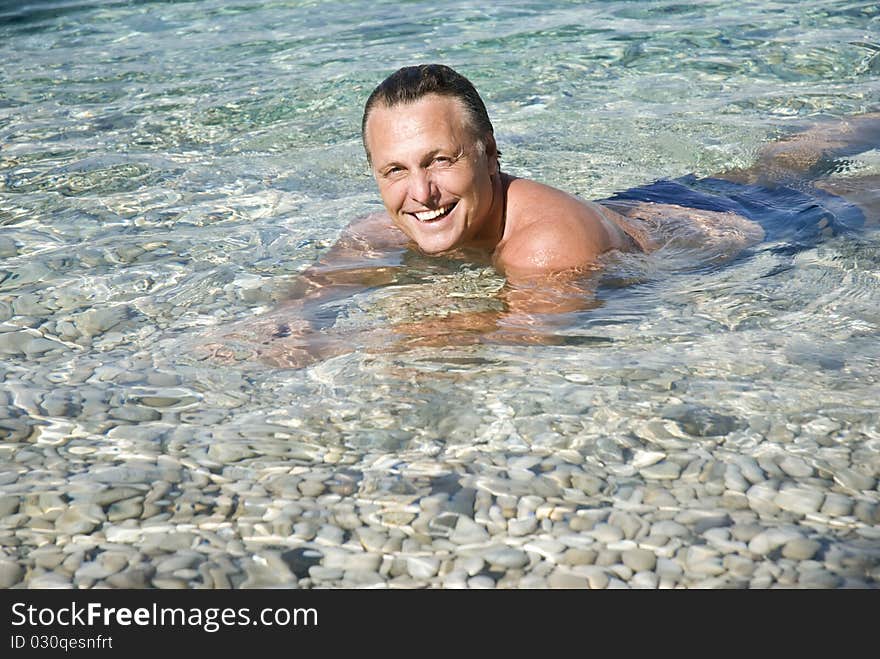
{"type": "Point", "coordinates": [167, 168]}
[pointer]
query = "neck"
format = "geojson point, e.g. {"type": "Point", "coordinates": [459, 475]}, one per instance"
{"type": "Point", "coordinates": [493, 233]}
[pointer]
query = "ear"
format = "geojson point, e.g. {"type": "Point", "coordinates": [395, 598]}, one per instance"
{"type": "Point", "coordinates": [491, 153]}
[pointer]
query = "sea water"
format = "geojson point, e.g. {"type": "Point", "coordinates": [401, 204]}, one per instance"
{"type": "Point", "coordinates": [168, 169]}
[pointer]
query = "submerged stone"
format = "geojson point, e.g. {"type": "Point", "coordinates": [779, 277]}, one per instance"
{"type": "Point", "coordinates": [701, 421]}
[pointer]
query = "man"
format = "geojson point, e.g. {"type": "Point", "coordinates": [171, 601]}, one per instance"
{"type": "Point", "coordinates": [432, 150]}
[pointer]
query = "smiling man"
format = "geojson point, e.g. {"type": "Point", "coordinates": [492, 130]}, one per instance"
{"type": "Point", "coordinates": [431, 148]}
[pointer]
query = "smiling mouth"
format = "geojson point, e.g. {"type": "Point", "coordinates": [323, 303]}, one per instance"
{"type": "Point", "coordinates": [431, 216]}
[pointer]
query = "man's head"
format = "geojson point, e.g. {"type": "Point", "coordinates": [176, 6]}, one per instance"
{"type": "Point", "coordinates": [433, 154]}
{"type": "Point", "coordinates": [412, 83]}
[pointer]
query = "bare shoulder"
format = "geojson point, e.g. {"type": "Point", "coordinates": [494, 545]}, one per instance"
{"type": "Point", "coordinates": [533, 199]}
{"type": "Point", "coordinates": [549, 230]}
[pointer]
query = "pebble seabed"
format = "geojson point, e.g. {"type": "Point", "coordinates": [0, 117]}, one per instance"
{"type": "Point", "coordinates": [671, 503]}
{"type": "Point", "coordinates": [675, 463]}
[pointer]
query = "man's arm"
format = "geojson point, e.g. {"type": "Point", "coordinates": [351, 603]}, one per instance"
{"type": "Point", "coordinates": [534, 308]}
{"type": "Point", "coordinates": [532, 311]}
{"type": "Point", "coordinates": [367, 255]}
{"type": "Point", "coordinates": [548, 265]}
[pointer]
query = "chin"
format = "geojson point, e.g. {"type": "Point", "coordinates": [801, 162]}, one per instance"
{"type": "Point", "coordinates": [436, 244]}
{"type": "Point", "coordinates": [434, 249]}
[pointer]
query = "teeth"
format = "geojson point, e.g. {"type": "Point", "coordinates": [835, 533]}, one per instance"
{"type": "Point", "coordinates": [425, 216]}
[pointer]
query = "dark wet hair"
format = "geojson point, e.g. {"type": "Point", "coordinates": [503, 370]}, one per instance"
{"type": "Point", "coordinates": [409, 84]}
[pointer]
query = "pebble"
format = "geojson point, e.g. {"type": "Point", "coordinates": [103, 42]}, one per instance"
{"type": "Point", "coordinates": [819, 578]}
{"type": "Point", "coordinates": [320, 573]}
{"type": "Point", "coordinates": [801, 549]}
{"type": "Point", "coordinates": [311, 488]}
{"type": "Point", "coordinates": [178, 561]}
{"type": "Point", "coordinates": [132, 578]}
{"type": "Point", "coordinates": [766, 541]}
{"type": "Point", "coordinates": [745, 531]}
{"type": "Point", "coordinates": [96, 321]}
{"type": "Point", "coordinates": [575, 556]}
{"type": "Point", "coordinates": [799, 499]}
{"type": "Point", "coordinates": [468, 532]}
{"type": "Point", "coordinates": [749, 469]}
{"type": "Point", "coordinates": [422, 567]}
{"type": "Point", "coordinates": [607, 557]}
{"type": "Point", "coordinates": [703, 561]}
{"type": "Point", "coordinates": [127, 509]}
{"type": "Point", "coordinates": [330, 535]}
{"type": "Point", "coordinates": [456, 579]}
{"type": "Point", "coordinates": [721, 540]}
{"type": "Point", "coordinates": [9, 503]}
{"type": "Point", "coordinates": [172, 583]}
{"type": "Point", "coordinates": [563, 578]}
{"type": "Point", "coordinates": [481, 582]}
{"type": "Point", "coordinates": [547, 548]}
{"type": "Point", "coordinates": [106, 564]}
{"type": "Point", "coordinates": [79, 519]}
{"type": "Point", "coordinates": [597, 577]}
{"type": "Point", "coordinates": [48, 556]}
{"type": "Point", "coordinates": [507, 557]}
{"type": "Point", "coordinates": [670, 529]}
{"type": "Point", "coordinates": [50, 580]}
{"type": "Point", "coordinates": [607, 533]}
{"type": "Point", "coordinates": [371, 539]}
{"type": "Point", "coordinates": [795, 467]}
{"type": "Point", "coordinates": [123, 535]}
{"type": "Point", "coordinates": [867, 512]}
{"type": "Point", "coordinates": [645, 580]}
{"type": "Point", "coordinates": [14, 343]}
{"type": "Point", "coordinates": [10, 573]}
{"type": "Point", "coordinates": [734, 479]}
{"type": "Point", "coordinates": [837, 505]}
{"type": "Point", "coordinates": [8, 247]}
{"type": "Point", "coordinates": [631, 525]}
{"type": "Point", "coordinates": [705, 522]}
{"type": "Point", "coordinates": [470, 564]}
{"type": "Point", "coordinates": [362, 578]}
{"type": "Point", "coordinates": [854, 480]}
{"type": "Point", "coordinates": [762, 499]}
{"type": "Point", "coordinates": [643, 459]}
{"type": "Point", "coordinates": [589, 484]}
{"type": "Point", "coordinates": [639, 560]}
{"type": "Point", "coordinates": [739, 566]}
{"type": "Point", "coordinates": [522, 526]}
{"type": "Point", "coordinates": [661, 471]}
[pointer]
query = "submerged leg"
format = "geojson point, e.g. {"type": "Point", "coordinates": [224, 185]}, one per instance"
{"type": "Point", "coordinates": [863, 192]}
{"type": "Point", "coordinates": [811, 153]}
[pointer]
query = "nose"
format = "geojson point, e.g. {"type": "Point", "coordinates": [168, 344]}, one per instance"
{"type": "Point", "coordinates": [422, 188]}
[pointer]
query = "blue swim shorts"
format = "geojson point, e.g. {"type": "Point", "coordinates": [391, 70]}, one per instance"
{"type": "Point", "coordinates": [796, 218]}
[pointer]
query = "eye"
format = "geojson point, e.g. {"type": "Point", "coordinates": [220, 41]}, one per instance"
{"type": "Point", "coordinates": [392, 171]}
{"type": "Point", "coordinates": [441, 161]}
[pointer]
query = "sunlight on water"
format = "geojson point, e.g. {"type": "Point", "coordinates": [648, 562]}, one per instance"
{"type": "Point", "coordinates": [167, 169]}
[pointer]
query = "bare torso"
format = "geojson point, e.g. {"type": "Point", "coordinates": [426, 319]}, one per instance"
{"type": "Point", "coordinates": [548, 231]}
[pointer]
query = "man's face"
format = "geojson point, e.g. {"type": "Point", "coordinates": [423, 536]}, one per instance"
{"type": "Point", "coordinates": [433, 175]}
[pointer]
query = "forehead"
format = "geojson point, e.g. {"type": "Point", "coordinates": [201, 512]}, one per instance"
{"type": "Point", "coordinates": [431, 122]}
